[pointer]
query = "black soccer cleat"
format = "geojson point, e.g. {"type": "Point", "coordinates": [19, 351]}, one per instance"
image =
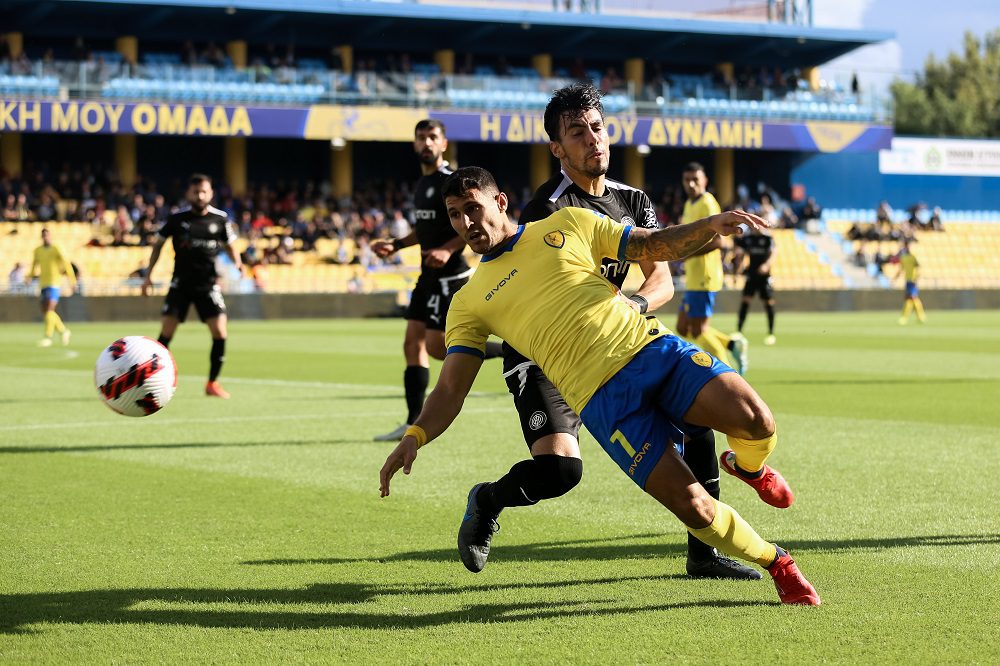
{"type": "Point", "coordinates": [475, 533]}
{"type": "Point", "coordinates": [719, 566]}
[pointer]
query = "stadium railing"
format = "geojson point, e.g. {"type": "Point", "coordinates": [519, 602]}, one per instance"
{"type": "Point", "coordinates": [520, 88]}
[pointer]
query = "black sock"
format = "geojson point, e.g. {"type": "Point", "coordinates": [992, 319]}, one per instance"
{"type": "Point", "coordinates": [165, 340]}
{"type": "Point", "coordinates": [494, 349]}
{"type": "Point", "coordinates": [779, 551]}
{"type": "Point", "coordinates": [699, 454]}
{"type": "Point", "coordinates": [415, 381]}
{"type": "Point", "coordinates": [529, 481]}
{"type": "Point", "coordinates": [217, 356]}
{"type": "Point", "coordinates": [770, 318]}
{"type": "Point", "coordinates": [744, 308]}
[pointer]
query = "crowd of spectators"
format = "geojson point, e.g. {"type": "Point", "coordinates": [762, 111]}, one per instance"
{"type": "Point", "coordinates": [890, 227]}
{"type": "Point", "coordinates": [277, 219]}
{"type": "Point", "coordinates": [375, 72]}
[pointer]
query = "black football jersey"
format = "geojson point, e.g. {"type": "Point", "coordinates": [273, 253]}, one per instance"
{"type": "Point", "coordinates": [197, 240]}
{"type": "Point", "coordinates": [620, 202]}
{"type": "Point", "coordinates": [758, 247]}
{"type": "Point", "coordinates": [432, 224]}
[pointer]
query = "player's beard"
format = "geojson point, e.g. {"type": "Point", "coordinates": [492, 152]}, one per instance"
{"type": "Point", "coordinates": [428, 157]}
{"type": "Point", "coordinates": [594, 170]}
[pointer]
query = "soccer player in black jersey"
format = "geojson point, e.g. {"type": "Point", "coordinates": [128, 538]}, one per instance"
{"type": "Point", "coordinates": [574, 121]}
{"type": "Point", "coordinates": [199, 232]}
{"type": "Point", "coordinates": [443, 270]}
{"type": "Point", "coordinates": [759, 247]}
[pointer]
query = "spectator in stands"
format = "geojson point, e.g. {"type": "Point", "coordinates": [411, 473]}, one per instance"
{"type": "Point", "coordinates": [935, 223]}
{"type": "Point", "coordinates": [611, 80]}
{"type": "Point", "coordinates": [22, 209]}
{"type": "Point", "coordinates": [743, 200]}
{"type": "Point", "coordinates": [46, 210]}
{"type": "Point", "coordinates": [399, 226]}
{"type": "Point", "coordinates": [15, 279]}
{"type": "Point", "coordinates": [883, 218]}
{"type": "Point", "coordinates": [137, 209]}
{"type": "Point", "coordinates": [280, 251]}
{"type": "Point", "coordinates": [767, 210]}
{"type": "Point", "coordinates": [788, 220]}
{"type": "Point", "coordinates": [812, 210]}
{"type": "Point", "coordinates": [261, 221]}
{"type": "Point", "coordinates": [147, 226]}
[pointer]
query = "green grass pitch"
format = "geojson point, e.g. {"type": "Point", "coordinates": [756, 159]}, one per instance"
{"type": "Point", "coordinates": [251, 531]}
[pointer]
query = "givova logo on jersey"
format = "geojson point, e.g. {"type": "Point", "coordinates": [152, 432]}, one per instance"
{"type": "Point", "coordinates": [501, 284]}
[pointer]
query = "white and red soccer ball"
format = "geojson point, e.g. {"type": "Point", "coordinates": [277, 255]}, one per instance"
{"type": "Point", "coordinates": [136, 376]}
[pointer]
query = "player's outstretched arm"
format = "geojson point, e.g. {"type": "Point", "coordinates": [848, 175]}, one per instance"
{"type": "Point", "coordinates": [383, 247]}
{"type": "Point", "coordinates": [154, 256]}
{"type": "Point", "coordinates": [683, 240]}
{"type": "Point", "coordinates": [440, 409]}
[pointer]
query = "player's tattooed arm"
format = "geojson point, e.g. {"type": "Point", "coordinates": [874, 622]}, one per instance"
{"type": "Point", "coordinates": [683, 240]}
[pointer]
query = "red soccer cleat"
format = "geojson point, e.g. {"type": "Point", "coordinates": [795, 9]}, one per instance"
{"type": "Point", "coordinates": [770, 485]}
{"type": "Point", "coordinates": [792, 586]}
{"type": "Point", "coordinates": [215, 389]}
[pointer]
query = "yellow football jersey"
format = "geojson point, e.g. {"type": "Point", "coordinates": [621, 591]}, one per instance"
{"type": "Point", "coordinates": [52, 263]}
{"type": "Point", "coordinates": [703, 272]}
{"type": "Point", "coordinates": [910, 266]}
{"type": "Point", "coordinates": [543, 293]}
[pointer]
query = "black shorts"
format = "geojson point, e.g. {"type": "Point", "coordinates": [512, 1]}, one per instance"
{"type": "Point", "coordinates": [432, 296]}
{"type": "Point", "coordinates": [540, 407]}
{"type": "Point", "coordinates": [759, 284]}
{"type": "Point", "coordinates": [206, 300]}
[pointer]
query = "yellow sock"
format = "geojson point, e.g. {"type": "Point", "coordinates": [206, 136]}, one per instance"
{"type": "Point", "coordinates": [50, 323]}
{"type": "Point", "coordinates": [907, 308]}
{"type": "Point", "coordinates": [919, 307]}
{"type": "Point", "coordinates": [734, 536]}
{"type": "Point", "coordinates": [751, 453]}
{"type": "Point", "coordinates": [716, 343]}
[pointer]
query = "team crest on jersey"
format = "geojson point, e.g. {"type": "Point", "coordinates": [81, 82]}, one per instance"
{"type": "Point", "coordinates": [627, 220]}
{"type": "Point", "coordinates": [212, 228]}
{"type": "Point", "coordinates": [430, 192]}
{"type": "Point", "coordinates": [555, 239]}
{"type": "Point", "coordinates": [701, 358]}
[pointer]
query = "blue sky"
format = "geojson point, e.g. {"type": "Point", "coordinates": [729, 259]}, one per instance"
{"type": "Point", "coordinates": [922, 27]}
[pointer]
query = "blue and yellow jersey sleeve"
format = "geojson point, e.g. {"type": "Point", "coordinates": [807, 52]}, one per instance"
{"type": "Point", "coordinates": [605, 237]}
{"type": "Point", "coordinates": [466, 333]}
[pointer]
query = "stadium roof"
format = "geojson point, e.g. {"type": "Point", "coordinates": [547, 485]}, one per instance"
{"type": "Point", "coordinates": [414, 27]}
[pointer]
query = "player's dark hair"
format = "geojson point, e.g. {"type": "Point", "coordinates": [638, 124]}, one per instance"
{"type": "Point", "coordinates": [572, 102]}
{"type": "Point", "coordinates": [430, 123]}
{"type": "Point", "coordinates": [199, 178]}
{"type": "Point", "coordinates": [459, 183]}
{"type": "Point", "coordinates": [696, 167]}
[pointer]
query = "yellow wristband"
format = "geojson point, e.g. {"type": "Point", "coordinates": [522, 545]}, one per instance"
{"type": "Point", "coordinates": [417, 433]}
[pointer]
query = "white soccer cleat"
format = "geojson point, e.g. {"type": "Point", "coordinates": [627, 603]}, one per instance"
{"type": "Point", "coordinates": [738, 351]}
{"type": "Point", "coordinates": [770, 341]}
{"type": "Point", "coordinates": [393, 436]}
{"type": "Point", "coordinates": [45, 342]}
{"type": "Point", "coordinates": [65, 337]}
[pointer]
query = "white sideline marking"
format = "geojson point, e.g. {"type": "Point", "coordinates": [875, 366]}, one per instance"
{"type": "Point", "coordinates": [229, 380]}
{"type": "Point", "coordinates": [252, 381]}
{"type": "Point", "coordinates": [225, 419]}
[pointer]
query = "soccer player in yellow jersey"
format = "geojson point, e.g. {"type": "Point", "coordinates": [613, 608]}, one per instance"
{"type": "Point", "coordinates": [909, 267]}
{"type": "Point", "coordinates": [635, 385]}
{"type": "Point", "coordinates": [50, 263]}
{"type": "Point", "coordinates": [703, 279]}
